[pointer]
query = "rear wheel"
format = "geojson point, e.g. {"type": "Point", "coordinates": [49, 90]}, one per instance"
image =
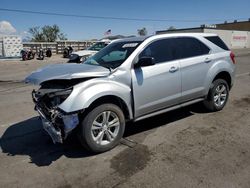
{"type": "Point", "coordinates": [217, 96]}
{"type": "Point", "coordinates": [102, 128]}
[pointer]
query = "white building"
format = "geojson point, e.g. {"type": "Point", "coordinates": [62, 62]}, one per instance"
{"type": "Point", "coordinates": [235, 39]}
{"type": "Point", "coordinates": [10, 46]}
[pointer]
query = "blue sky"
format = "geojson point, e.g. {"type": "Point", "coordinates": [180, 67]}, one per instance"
{"type": "Point", "coordinates": [85, 28]}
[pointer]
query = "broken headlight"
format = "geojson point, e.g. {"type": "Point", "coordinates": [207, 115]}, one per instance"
{"type": "Point", "coordinates": [56, 98]}
{"type": "Point", "coordinates": [50, 98]}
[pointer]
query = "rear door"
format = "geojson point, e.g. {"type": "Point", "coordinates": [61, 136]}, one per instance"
{"type": "Point", "coordinates": [195, 61]}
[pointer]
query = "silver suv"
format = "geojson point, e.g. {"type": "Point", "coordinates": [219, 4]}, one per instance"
{"type": "Point", "coordinates": [132, 79]}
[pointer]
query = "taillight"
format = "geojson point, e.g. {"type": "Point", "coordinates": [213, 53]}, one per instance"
{"type": "Point", "coordinates": [232, 57]}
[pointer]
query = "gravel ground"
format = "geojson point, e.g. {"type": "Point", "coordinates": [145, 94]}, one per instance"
{"type": "Point", "coordinates": [184, 148]}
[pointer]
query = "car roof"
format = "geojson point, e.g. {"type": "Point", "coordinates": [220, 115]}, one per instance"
{"type": "Point", "coordinates": [140, 39]}
{"type": "Point", "coordinates": [131, 39]}
{"type": "Point", "coordinates": [187, 34]}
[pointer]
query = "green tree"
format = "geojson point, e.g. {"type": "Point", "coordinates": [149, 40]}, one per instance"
{"type": "Point", "coordinates": [142, 32]}
{"type": "Point", "coordinates": [62, 36]}
{"type": "Point", "coordinates": [47, 34]}
{"type": "Point", "coordinates": [37, 35]}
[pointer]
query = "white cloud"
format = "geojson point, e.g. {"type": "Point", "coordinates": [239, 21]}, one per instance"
{"type": "Point", "coordinates": [6, 28]}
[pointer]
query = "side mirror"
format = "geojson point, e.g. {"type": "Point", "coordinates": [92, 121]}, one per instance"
{"type": "Point", "coordinates": [145, 61]}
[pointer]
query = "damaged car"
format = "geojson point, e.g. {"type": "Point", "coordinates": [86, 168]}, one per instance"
{"type": "Point", "coordinates": [130, 80]}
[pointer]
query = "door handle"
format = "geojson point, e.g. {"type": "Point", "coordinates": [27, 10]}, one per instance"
{"type": "Point", "coordinates": [208, 60]}
{"type": "Point", "coordinates": [173, 69]}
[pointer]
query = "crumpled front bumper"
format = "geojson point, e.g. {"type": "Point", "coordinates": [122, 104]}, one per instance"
{"type": "Point", "coordinates": [55, 135]}
{"type": "Point", "coordinates": [58, 132]}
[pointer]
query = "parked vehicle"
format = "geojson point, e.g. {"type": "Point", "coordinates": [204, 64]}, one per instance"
{"type": "Point", "coordinates": [67, 51]}
{"type": "Point", "coordinates": [48, 52]}
{"type": "Point", "coordinates": [40, 54]}
{"type": "Point", "coordinates": [82, 55]}
{"type": "Point", "coordinates": [24, 55]}
{"type": "Point", "coordinates": [130, 80]}
{"type": "Point", "coordinates": [27, 54]}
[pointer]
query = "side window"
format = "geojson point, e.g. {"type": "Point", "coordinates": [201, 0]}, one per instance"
{"type": "Point", "coordinates": [161, 50]}
{"type": "Point", "coordinates": [204, 49]}
{"type": "Point", "coordinates": [217, 41]}
{"type": "Point", "coordinates": [98, 46]}
{"type": "Point", "coordinates": [190, 47]}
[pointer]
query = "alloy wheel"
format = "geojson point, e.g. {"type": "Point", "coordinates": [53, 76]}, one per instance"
{"type": "Point", "coordinates": [105, 127]}
{"type": "Point", "coordinates": [220, 95]}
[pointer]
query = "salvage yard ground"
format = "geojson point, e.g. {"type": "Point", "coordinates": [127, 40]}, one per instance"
{"type": "Point", "coordinates": [184, 148]}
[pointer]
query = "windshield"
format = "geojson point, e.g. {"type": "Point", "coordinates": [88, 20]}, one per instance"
{"type": "Point", "coordinates": [98, 46]}
{"type": "Point", "coordinates": [114, 54]}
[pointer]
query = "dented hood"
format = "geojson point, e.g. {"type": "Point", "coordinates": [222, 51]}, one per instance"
{"type": "Point", "coordinates": [66, 71]}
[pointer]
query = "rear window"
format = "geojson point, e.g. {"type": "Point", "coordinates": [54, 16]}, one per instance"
{"type": "Point", "coordinates": [217, 41]}
{"type": "Point", "coordinates": [171, 49]}
{"type": "Point", "coordinates": [190, 47]}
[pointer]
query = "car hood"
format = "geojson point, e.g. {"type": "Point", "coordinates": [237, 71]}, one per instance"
{"type": "Point", "coordinates": [66, 72]}
{"type": "Point", "coordinates": [84, 52]}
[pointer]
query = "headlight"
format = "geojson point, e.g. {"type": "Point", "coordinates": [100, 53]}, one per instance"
{"type": "Point", "coordinates": [62, 92]}
{"type": "Point", "coordinates": [84, 58]}
{"type": "Point", "coordinates": [59, 97]}
{"type": "Point", "coordinates": [73, 57]}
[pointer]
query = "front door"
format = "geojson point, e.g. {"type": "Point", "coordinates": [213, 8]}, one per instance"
{"type": "Point", "coordinates": [157, 86]}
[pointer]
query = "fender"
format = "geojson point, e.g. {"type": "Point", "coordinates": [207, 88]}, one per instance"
{"type": "Point", "coordinates": [84, 94]}
{"type": "Point", "coordinates": [215, 69]}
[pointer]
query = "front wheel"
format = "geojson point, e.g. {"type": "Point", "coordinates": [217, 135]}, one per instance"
{"type": "Point", "coordinates": [102, 128]}
{"type": "Point", "coordinates": [217, 96]}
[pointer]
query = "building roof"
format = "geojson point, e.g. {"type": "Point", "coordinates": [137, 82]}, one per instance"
{"type": "Point", "coordinates": [240, 26]}
{"type": "Point", "coordinates": [236, 25]}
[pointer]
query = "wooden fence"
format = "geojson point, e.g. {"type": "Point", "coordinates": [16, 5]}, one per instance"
{"type": "Point", "coordinates": [58, 47]}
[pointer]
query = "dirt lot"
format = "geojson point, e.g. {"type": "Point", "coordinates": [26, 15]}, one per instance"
{"type": "Point", "coordinates": [184, 148]}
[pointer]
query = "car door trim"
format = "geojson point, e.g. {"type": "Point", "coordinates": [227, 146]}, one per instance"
{"type": "Point", "coordinates": [168, 109]}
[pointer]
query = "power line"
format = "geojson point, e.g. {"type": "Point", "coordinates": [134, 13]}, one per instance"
{"type": "Point", "coordinates": [113, 18]}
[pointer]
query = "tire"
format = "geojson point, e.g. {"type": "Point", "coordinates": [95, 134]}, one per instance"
{"type": "Point", "coordinates": [217, 96]}
{"type": "Point", "coordinates": [95, 132]}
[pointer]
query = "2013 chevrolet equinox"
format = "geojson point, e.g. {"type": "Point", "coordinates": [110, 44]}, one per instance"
{"type": "Point", "coordinates": [132, 79]}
